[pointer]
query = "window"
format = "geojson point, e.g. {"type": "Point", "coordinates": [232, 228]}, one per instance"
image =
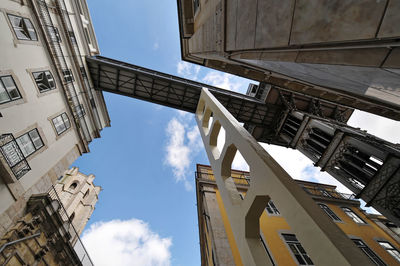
{"type": "Point", "coordinates": [271, 208]}
{"type": "Point", "coordinates": [297, 250]}
{"type": "Point", "coordinates": [87, 35]}
{"type": "Point", "coordinates": [329, 212]}
{"type": "Point", "coordinates": [86, 193]}
{"type": "Point", "coordinates": [71, 218]}
{"type": "Point", "coordinates": [353, 215]}
{"type": "Point", "coordinates": [371, 255]}
{"type": "Point", "coordinates": [44, 80]}
{"type": "Point", "coordinates": [72, 38]}
{"type": "Point", "coordinates": [30, 142]}
{"type": "Point", "coordinates": [389, 248]}
{"type": "Point", "coordinates": [80, 111]}
{"type": "Point", "coordinates": [61, 123]}
{"type": "Point", "coordinates": [8, 90]}
{"type": "Point", "coordinates": [23, 28]}
{"type": "Point", "coordinates": [13, 155]}
{"type": "Point", "coordinates": [83, 72]}
{"type": "Point", "coordinates": [68, 77]}
{"type": "Point", "coordinates": [325, 193]}
{"type": "Point", "coordinates": [73, 186]}
{"type": "Point", "coordinates": [54, 34]}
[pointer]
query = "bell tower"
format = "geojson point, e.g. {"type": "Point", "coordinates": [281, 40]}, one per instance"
{"type": "Point", "coordinates": [78, 195]}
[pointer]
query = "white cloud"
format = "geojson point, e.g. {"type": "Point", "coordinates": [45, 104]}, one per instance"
{"type": "Point", "coordinates": [129, 242]}
{"type": "Point", "coordinates": [298, 166]}
{"type": "Point", "coordinates": [376, 125]}
{"type": "Point", "coordinates": [183, 143]}
{"type": "Point", "coordinates": [156, 45]}
{"type": "Point", "coordinates": [226, 81]}
{"type": "Point", "coordinates": [188, 70]}
{"type": "Point", "coordinates": [239, 163]}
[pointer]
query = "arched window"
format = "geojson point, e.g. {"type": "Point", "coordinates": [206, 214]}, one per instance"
{"type": "Point", "coordinates": [73, 186]}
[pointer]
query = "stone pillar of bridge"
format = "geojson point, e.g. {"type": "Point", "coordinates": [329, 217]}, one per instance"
{"type": "Point", "coordinates": [323, 240]}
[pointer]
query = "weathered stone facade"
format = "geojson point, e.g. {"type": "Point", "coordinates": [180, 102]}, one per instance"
{"type": "Point", "coordinates": [47, 225]}
{"type": "Point", "coordinates": [40, 237]}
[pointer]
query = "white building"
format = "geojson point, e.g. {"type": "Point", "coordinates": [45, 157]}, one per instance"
{"type": "Point", "coordinates": [49, 111]}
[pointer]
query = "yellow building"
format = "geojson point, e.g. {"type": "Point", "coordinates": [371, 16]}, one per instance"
{"type": "Point", "coordinates": [218, 246]}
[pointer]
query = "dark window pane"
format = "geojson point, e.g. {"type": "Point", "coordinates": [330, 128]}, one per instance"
{"type": "Point", "coordinates": [23, 28]}
{"type": "Point", "coordinates": [44, 80]}
{"type": "Point", "coordinates": [37, 141]}
{"type": "Point", "coordinates": [3, 94]}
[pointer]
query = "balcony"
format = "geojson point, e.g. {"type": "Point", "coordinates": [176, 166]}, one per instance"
{"type": "Point", "coordinates": [321, 192]}
{"type": "Point", "coordinates": [13, 157]}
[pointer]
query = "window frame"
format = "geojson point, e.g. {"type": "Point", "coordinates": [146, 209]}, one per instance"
{"type": "Point", "coordinates": [329, 212]}
{"type": "Point", "coordinates": [366, 247]}
{"type": "Point", "coordinates": [273, 209]}
{"type": "Point", "coordinates": [45, 72]}
{"type": "Point", "coordinates": [396, 257]}
{"type": "Point", "coordinates": [354, 219]}
{"type": "Point", "coordinates": [74, 184]}
{"type": "Point", "coordinates": [297, 243]}
{"type": "Point", "coordinates": [6, 90]}
{"type": "Point", "coordinates": [31, 141]}
{"type": "Point", "coordinates": [9, 15]}
{"type": "Point", "coordinates": [68, 75]}
{"type": "Point", "coordinates": [54, 34]}
{"type": "Point", "coordinates": [64, 123]}
{"type": "Point", "coordinates": [13, 156]}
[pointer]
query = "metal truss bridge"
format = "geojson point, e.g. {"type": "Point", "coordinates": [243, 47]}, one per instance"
{"type": "Point", "coordinates": [183, 94]}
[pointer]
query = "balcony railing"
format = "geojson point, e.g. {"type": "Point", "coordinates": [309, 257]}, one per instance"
{"type": "Point", "coordinates": [320, 192]}
{"type": "Point", "coordinates": [241, 179]}
{"type": "Point", "coordinates": [75, 239]}
{"type": "Point", "coordinates": [13, 155]}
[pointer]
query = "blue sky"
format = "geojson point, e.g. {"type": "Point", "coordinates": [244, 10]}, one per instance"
{"type": "Point", "coordinates": [145, 162]}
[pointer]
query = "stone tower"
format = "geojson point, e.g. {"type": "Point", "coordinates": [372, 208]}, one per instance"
{"type": "Point", "coordinates": [78, 195]}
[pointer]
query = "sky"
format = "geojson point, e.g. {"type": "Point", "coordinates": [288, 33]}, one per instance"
{"type": "Point", "coordinates": [145, 162]}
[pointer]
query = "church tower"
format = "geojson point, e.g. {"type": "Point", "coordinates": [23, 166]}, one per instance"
{"type": "Point", "coordinates": [78, 195]}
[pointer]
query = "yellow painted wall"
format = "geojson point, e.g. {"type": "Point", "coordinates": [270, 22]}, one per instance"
{"type": "Point", "coordinates": [271, 227]}
{"type": "Point", "coordinates": [367, 232]}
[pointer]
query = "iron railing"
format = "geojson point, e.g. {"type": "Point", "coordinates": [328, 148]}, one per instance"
{"type": "Point", "coordinates": [75, 240]}
{"type": "Point", "coordinates": [244, 179]}
{"type": "Point", "coordinates": [55, 49]}
{"type": "Point", "coordinates": [241, 179]}
{"type": "Point", "coordinates": [320, 192]}
{"type": "Point", "coordinates": [77, 57]}
{"type": "Point", "coordinates": [13, 155]}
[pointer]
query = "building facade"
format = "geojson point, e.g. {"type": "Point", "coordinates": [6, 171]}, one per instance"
{"type": "Point", "coordinates": [219, 247]}
{"type": "Point", "coordinates": [349, 64]}
{"type": "Point", "coordinates": [343, 52]}
{"type": "Point", "coordinates": [48, 232]}
{"type": "Point", "coordinates": [49, 109]}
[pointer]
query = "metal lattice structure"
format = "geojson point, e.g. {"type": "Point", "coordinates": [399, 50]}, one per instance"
{"type": "Point", "coordinates": [172, 91]}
